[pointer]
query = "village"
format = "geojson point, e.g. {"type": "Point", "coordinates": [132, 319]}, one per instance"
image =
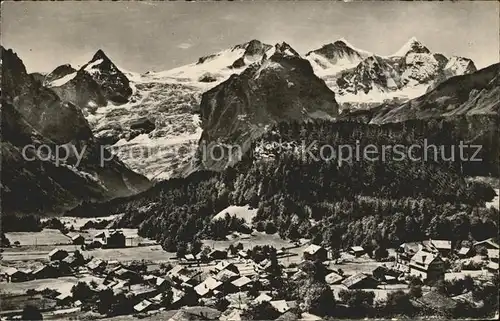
{"type": "Point", "coordinates": [92, 273]}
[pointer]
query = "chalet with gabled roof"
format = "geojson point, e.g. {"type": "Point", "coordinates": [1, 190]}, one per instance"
{"type": "Point", "coordinates": [315, 252]}
{"type": "Point", "coordinates": [427, 266]}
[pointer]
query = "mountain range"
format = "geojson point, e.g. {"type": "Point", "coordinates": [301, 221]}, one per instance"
{"type": "Point", "coordinates": [153, 119]}
{"type": "Point", "coordinates": [358, 76]}
{"type": "Point", "coordinates": [157, 121]}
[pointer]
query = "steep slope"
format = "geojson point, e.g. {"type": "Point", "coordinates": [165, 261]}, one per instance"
{"type": "Point", "coordinates": [282, 87]}
{"type": "Point", "coordinates": [474, 93]}
{"type": "Point", "coordinates": [157, 131]}
{"type": "Point", "coordinates": [411, 46]}
{"type": "Point", "coordinates": [32, 185]}
{"type": "Point", "coordinates": [93, 85]}
{"type": "Point", "coordinates": [35, 115]}
{"type": "Point", "coordinates": [40, 106]}
{"type": "Point", "coordinates": [80, 89]}
{"type": "Point", "coordinates": [114, 84]}
{"type": "Point", "coordinates": [60, 75]}
{"type": "Point", "coordinates": [373, 74]}
{"type": "Point", "coordinates": [454, 66]}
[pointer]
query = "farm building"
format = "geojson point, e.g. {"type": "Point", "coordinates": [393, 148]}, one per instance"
{"type": "Point", "coordinates": [207, 286]}
{"type": "Point", "coordinates": [141, 291]}
{"type": "Point", "coordinates": [333, 278]}
{"type": "Point", "coordinates": [384, 274]}
{"type": "Point", "coordinates": [125, 274]}
{"type": "Point", "coordinates": [280, 305]}
{"type": "Point", "coordinates": [493, 255]}
{"type": "Point", "coordinates": [116, 239]}
{"type": "Point", "coordinates": [96, 265]}
{"type": "Point", "coordinates": [64, 299]}
{"type": "Point", "coordinates": [489, 244]}
{"type": "Point", "coordinates": [464, 252]}
{"type": "Point", "coordinates": [217, 255]}
{"type": "Point", "coordinates": [242, 283]}
{"type": "Point", "coordinates": [57, 255]}
{"type": "Point", "coordinates": [181, 274]}
{"type": "Point", "coordinates": [315, 252]}
{"type": "Point", "coordinates": [356, 250]}
{"type": "Point", "coordinates": [443, 247]}
{"type": "Point", "coordinates": [242, 254]}
{"type": "Point", "coordinates": [14, 275]}
{"type": "Point", "coordinates": [111, 239]}
{"type": "Point", "coordinates": [46, 272]}
{"type": "Point", "coordinates": [143, 306]}
{"type": "Point", "coordinates": [225, 265]}
{"type": "Point", "coordinates": [70, 260]}
{"type": "Point", "coordinates": [190, 258]}
{"type": "Point", "coordinates": [264, 265]}
{"type": "Point", "coordinates": [492, 267]}
{"type": "Point", "coordinates": [406, 250]}
{"type": "Point", "coordinates": [427, 266]}
{"type": "Point", "coordinates": [360, 281]}
{"type": "Point", "coordinates": [76, 239]}
{"type": "Point", "coordinates": [226, 275]}
{"type": "Point", "coordinates": [262, 298]}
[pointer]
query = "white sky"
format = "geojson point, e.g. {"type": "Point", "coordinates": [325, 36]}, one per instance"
{"type": "Point", "coordinates": [141, 36]}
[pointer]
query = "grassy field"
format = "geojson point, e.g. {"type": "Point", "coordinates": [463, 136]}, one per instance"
{"type": "Point", "coordinates": [243, 212]}
{"type": "Point", "coordinates": [32, 253]}
{"type": "Point", "coordinates": [148, 253]}
{"type": "Point", "coordinates": [19, 302]}
{"type": "Point", "coordinates": [78, 222]}
{"type": "Point", "coordinates": [44, 237]}
{"type": "Point", "coordinates": [257, 239]}
{"type": "Point", "coordinates": [62, 284]}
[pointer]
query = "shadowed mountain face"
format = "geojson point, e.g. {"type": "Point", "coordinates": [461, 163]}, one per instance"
{"type": "Point", "coordinates": [281, 87]}
{"type": "Point", "coordinates": [114, 84]}
{"type": "Point", "coordinates": [58, 73]}
{"type": "Point", "coordinates": [41, 107]}
{"type": "Point", "coordinates": [93, 85]}
{"type": "Point", "coordinates": [35, 115]}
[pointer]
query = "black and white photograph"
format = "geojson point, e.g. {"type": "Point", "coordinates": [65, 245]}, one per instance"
{"type": "Point", "coordinates": [249, 160]}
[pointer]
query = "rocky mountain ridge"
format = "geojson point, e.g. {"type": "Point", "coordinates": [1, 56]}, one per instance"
{"type": "Point", "coordinates": [37, 122]}
{"type": "Point", "coordinates": [281, 87]}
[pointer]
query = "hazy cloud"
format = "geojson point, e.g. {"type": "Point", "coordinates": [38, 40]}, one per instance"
{"type": "Point", "coordinates": [184, 45]}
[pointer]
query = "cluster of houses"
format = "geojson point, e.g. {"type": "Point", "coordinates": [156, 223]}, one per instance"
{"type": "Point", "coordinates": [235, 276]}
{"type": "Point", "coordinates": [60, 264]}
{"type": "Point", "coordinates": [105, 239]}
{"type": "Point", "coordinates": [426, 259]}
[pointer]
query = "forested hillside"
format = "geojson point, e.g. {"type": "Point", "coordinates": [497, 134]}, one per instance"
{"type": "Point", "coordinates": [339, 204]}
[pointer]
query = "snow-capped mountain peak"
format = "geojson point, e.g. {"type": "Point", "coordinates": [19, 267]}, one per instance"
{"type": "Point", "coordinates": [100, 55]}
{"type": "Point", "coordinates": [214, 68]}
{"type": "Point", "coordinates": [460, 65]}
{"type": "Point", "coordinates": [413, 45]}
{"type": "Point", "coordinates": [285, 49]}
{"type": "Point", "coordinates": [335, 57]}
{"type": "Point", "coordinates": [362, 52]}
